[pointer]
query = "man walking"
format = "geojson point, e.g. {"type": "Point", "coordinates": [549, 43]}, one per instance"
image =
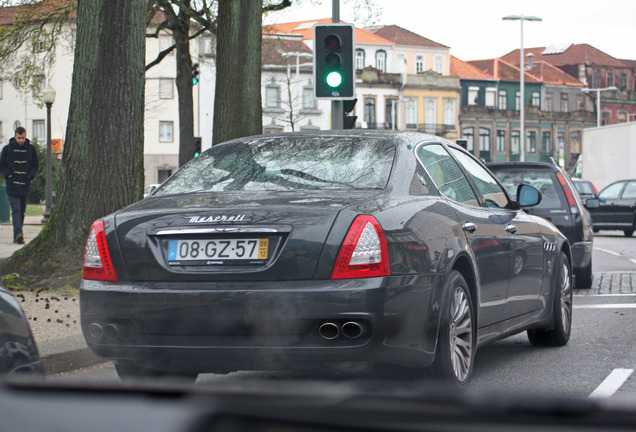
{"type": "Point", "coordinates": [19, 164]}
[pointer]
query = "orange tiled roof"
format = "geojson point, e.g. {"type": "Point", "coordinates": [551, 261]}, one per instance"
{"type": "Point", "coordinates": [574, 55]}
{"type": "Point", "coordinates": [550, 74]}
{"type": "Point", "coordinates": [8, 14]}
{"type": "Point", "coordinates": [402, 36]}
{"type": "Point", "coordinates": [465, 70]}
{"type": "Point", "coordinates": [274, 47]}
{"type": "Point", "coordinates": [502, 70]}
{"type": "Point", "coordinates": [306, 29]}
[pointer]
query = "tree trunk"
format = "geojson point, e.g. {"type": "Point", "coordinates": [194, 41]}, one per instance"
{"type": "Point", "coordinates": [181, 34]}
{"type": "Point", "coordinates": [237, 101]}
{"type": "Point", "coordinates": [102, 165]}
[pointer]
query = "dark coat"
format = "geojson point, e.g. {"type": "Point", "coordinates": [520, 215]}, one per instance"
{"type": "Point", "coordinates": [19, 164]}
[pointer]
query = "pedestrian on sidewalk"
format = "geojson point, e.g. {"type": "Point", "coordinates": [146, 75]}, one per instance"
{"type": "Point", "coordinates": [19, 164]}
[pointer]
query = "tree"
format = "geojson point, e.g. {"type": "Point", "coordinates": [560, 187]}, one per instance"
{"type": "Point", "coordinates": [103, 154]}
{"type": "Point", "coordinates": [237, 101]}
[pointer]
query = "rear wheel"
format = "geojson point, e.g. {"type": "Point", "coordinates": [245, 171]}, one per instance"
{"type": "Point", "coordinates": [628, 232]}
{"type": "Point", "coordinates": [559, 332]}
{"type": "Point", "coordinates": [128, 371]}
{"type": "Point", "coordinates": [584, 277]}
{"type": "Point", "coordinates": [455, 352]}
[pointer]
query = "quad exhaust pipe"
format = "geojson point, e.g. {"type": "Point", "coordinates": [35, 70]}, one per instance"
{"type": "Point", "coordinates": [350, 329]}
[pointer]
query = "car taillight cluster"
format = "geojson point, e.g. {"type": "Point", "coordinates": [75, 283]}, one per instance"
{"type": "Point", "coordinates": [364, 252]}
{"type": "Point", "coordinates": [97, 262]}
{"type": "Point", "coordinates": [567, 190]}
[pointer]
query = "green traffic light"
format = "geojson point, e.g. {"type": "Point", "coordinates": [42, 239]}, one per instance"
{"type": "Point", "coordinates": [333, 79]}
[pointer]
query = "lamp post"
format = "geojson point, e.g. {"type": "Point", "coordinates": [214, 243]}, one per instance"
{"type": "Point", "coordinates": [522, 129]}
{"type": "Point", "coordinates": [48, 97]}
{"type": "Point", "coordinates": [598, 100]}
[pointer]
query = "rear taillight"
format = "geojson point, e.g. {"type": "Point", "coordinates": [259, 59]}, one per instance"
{"type": "Point", "coordinates": [364, 252]}
{"type": "Point", "coordinates": [566, 189]}
{"type": "Point", "coordinates": [97, 262]}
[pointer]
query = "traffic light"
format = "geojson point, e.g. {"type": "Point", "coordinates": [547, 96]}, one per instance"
{"type": "Point", "coordinates": [334, 69]}
{"type": "Point", "coordinates": [195, 73]}
{"type": "Point", "coordinates": [348, 121]}
{"type": "Point", "coordinates": [197, 146]}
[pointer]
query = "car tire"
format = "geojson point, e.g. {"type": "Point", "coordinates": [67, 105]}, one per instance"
{"type": "Point", "coordinates": [584, 277]}
{"type": "Point", "coordinates": [628, 232]}
{"type": "Point", "coordinates": [456, 344]}
{"type": "Point", "coordinates": [128, 371]}
{"type": "Point", "coordinates": [558, 334]}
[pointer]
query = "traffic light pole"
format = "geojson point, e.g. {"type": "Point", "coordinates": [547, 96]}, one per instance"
{"type": "Point", "coordinates": [337, 107]}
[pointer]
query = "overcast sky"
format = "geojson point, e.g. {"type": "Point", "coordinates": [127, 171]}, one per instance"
{"type": "Point", "coordinates": [475, 30]}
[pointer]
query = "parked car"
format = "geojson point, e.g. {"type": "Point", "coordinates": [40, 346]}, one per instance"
{"type": "Point", "coordinates": [617, 209]}
{"type": "Point", "coordinates": [560, 205]}
{"type": "Point", "coordinates": [585, 188]}
{"type": "Point", "coordinates": [335, 249]}
{"type": "Point", "coordinates": [18, 351]}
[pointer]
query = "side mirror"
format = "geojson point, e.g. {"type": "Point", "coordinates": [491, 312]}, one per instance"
{"type": "Point", "coordinates": [602, 200]}
{"type": "Point", "coordinates": [592, 203]}
{"type": "Point", "coordinates": [528, 196]}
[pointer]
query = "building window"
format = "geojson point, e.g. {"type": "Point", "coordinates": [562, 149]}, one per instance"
{"type": "Point", "coordinates": [515, 145]}
{"type": "Point", "coordinates": [359, 58]}
{"type": "Point", "coordinates": [622, 117]}
{"type": "Point", "coordinates": [272, 96]}
{"type": "Point", "coordinates": [419, 63]}
{"type": "Point", "coordinates": [503, 100]}
{"type": "Point", "coordinates": [517, 101]}
{"type": "Point", "coordinates": [165, 42]}
{"type": "Point", "coordinates": [501, 141]}
{"type": "Point", "coordinates": [400, 61]}
{"type": "Point", "coordinates": [430, 115]}
{"type": "Point", "coordinates": [490, 97]}
{"type": "Point", "coordinates": [623, 81]}
{"type": "Point", "coordinates": [596, 80]}
{"type": "Point", "coordinates": [484, 144]}
{"type": "Point", "coordinates": [163, 175]}
{"type": "Point", "coordinates": [450, 115]}
{"type": "Point", "coordinates": [369, 112]}
{"type": "Point", "coordinates": [549, 102]}
{"type": "Point", "coordinates": [547, 143]}
{"type": "Point", "coordinates": [389, 104]}
{"type": "Point", "coordinates": [272, 129]}
{"type": "Point", "coordinates": [166, 129]}
{"type": "Point", "coordinates": [380, 60]}
{"type": "Point", "coordinates": [468, 134]}
{"type": "Point", "coordinates": [473, 95]}
{"type": "Point", "coordinates": [565, 104]}
{"type": "Point", "coordinates": [438, 64]}
{"type": "Point", "coordinates": [166, 88]}
{"type": "Point", "coordinates": [39, 132]}
{"type": "Point", "coordinates": [531, 145]}
{"type": "Point", "coordinates": [536, 99]}
{"type": "Point", "coordinates": [411, 114]}
{"type": "Point", "coordinates": [606, 118]}
{"type": "Point", "coordinates": [309, 102]}
{"type": "Point", "coordinates": [610, 79]}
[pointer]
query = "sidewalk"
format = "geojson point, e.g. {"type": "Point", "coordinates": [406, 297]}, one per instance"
{"type": "Point", "coordinates": [54, 318]}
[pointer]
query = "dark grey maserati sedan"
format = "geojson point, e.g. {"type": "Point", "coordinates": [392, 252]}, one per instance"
{"type": "Point", "coordinates": [324, 250]}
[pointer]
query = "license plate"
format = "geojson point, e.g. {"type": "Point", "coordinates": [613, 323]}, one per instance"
{"type": "Point", "coordinates": [217, 251]}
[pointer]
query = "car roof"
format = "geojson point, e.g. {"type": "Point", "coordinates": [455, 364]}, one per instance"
{"type": "Point", "coordinates": [525, 165]}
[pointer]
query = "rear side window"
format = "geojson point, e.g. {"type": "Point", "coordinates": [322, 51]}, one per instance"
{"type": "Point", "coordinates": [630, 190]}
{"type": "Point", "coordinates": [545, 181]}
{"type": "Point", "coordinates": [287, 163]}
{"type": "Point", "coordinates": [584, 187]}
{"type": "Point", "coordinates": [612, 191]}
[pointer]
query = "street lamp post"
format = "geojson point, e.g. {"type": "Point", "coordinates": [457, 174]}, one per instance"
{"type": "Point", "coordinates": [522, 128]}
{"type": "Point", "coordinates": [598, 100]}
{"type": "Point", "coordinates": [48, 97]}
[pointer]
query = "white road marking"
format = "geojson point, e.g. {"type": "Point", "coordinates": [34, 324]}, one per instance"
{"type": "Point", "coordinates": [612, 383]}
{"type": "Point", "coordinates": [607, 251]}
{"type": "Point", "coordinates": [606, 295]}
{"type": "Point", "coordinates": [633, 260]}
{"type": "Point", "coordinates": [607, 306]}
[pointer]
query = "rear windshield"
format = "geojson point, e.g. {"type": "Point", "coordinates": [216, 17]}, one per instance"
{"type": "Point", "coordinates": [545, 181]}
{"type": "Point", "coordinates": [287, 163]}
{"type": "Point", "coordinates": [584, 187]}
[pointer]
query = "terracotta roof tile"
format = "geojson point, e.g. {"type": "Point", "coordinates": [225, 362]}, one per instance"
{"type": "Point", "coordinates": [273, 48]}
{"type": "Point", "coordinates": [502, 70]}
{"type": "Point", "coordinates": [574, 55]}
{"type": "Point", "coordinates": [465, 70]}
{"type": "Point", "coordinates": [306, 29]}
{"type": "Point", "coordinates": [550, 74]}
{"type": "Point", "coordinates": [8, 14]}
{"type": "Point", "coordinates": [402, 36]}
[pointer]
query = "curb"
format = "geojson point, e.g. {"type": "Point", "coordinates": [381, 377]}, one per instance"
{"type": "Point", "coordinates": [67, 354]}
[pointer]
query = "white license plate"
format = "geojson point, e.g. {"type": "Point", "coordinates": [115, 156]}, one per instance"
{"type": "Point", "coordinates": [218, 250]}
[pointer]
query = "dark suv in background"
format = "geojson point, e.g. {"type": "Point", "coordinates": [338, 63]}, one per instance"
{"type": "Point", "coordinates": [561, 205]}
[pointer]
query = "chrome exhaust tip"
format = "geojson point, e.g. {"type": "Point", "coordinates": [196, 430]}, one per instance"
{"type": "Point", "coordinates": [353, 330]}
{"type": "Point", "coordinates": [329, 331]}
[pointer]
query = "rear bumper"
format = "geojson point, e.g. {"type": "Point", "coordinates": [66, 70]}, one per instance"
{"type": "Point", "coordinates": [221, 327]}
{"type": "Point", "coordinates": [581, 254]}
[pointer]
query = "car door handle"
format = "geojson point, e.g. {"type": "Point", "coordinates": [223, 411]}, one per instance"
{"type": "Point", "coordinates": [511, 229]}
{"type": "Point", "coordinates": [469, 227]}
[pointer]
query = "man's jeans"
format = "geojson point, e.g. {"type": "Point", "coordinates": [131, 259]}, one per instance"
{"type": "Point", "coordinates": [18, 207]}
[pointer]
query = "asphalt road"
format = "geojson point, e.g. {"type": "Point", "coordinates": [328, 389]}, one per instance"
{"type": "Point", "coordinates": [599, 360]}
